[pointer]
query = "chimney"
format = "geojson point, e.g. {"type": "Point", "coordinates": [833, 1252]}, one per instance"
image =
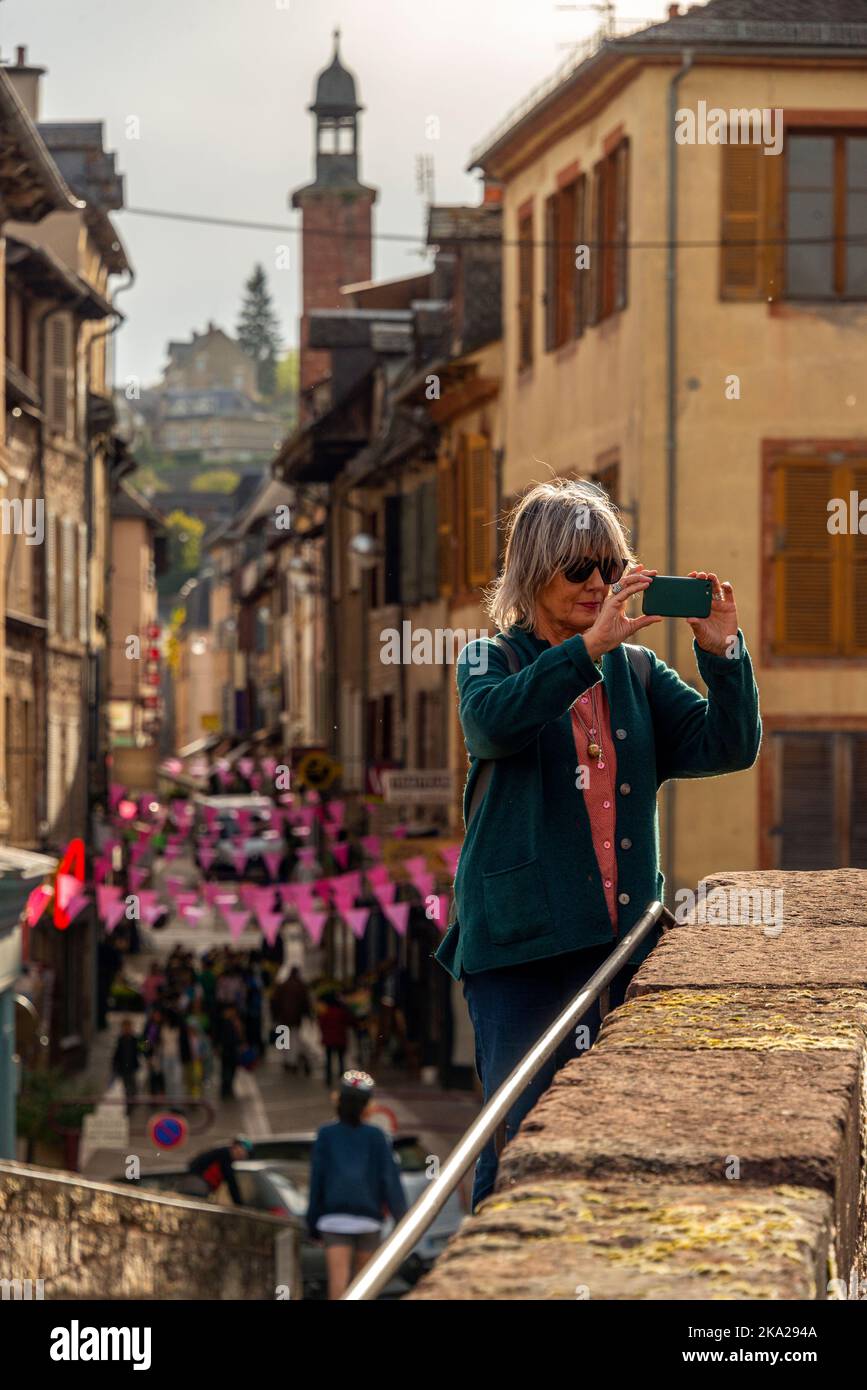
{"type": "Point", "coordinates": [25, 79]}
{"type": "Point", "coordinates": [673, 11]}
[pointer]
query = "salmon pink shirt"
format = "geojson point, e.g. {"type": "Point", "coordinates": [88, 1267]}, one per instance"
{"type": "Point", "coordinates": [599, 795]}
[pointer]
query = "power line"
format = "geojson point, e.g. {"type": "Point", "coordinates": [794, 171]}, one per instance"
{"type": "Point", "coordinates": [418, 240]}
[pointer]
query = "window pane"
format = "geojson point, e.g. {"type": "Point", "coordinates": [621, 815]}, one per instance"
{"type": "Point", "coordinates": [810, 267]}
{"type": "Point", "coordinates": [806, 807]}
{"type": "Point", "coordinates": [856, 161]}
{"type": "Point", "coordinates": [858, 803]}
{"type": "Point", "coordinates": [856, 249]}
{"type": "Point", "coordinates": [811, 161]}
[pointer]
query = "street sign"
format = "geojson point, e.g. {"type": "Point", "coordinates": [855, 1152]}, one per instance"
{"type": "Point", "coordinates": [317, 769]}
{"type": "Point", "coordinates": [210, 723]}
{"type": "Point", "coordinates": [421, 785]}
{"type": "Point", "coordinates": [167, 1131]}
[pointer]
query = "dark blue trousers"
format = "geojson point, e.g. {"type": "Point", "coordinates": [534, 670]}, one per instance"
{"type": "Point", "coordinates": [509, 1009]}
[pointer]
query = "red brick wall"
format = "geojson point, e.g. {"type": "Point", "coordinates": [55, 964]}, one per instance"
{"type": "Point", "coordinates": [341, 256]}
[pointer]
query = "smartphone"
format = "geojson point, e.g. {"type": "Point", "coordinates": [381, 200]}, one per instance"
{"type": "Point", "coordinates": [672, 597]}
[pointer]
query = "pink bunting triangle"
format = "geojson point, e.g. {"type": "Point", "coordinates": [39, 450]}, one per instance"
{"type": "Point", "coordinates": [372, 846]}
{"type": "Point", "coordinates": [273, 859]}
{"type": "Point", "coordinates": [385, 893]}
{"type": "Point", "coordinates": [356, 919]}
{"type": "Point", "coordinates": [341, 853]}
{"type": "Point", "coordinates": [313, 923]}
{"type": "Point", "coordinates": [113, 916]}
{"type": "Point", "coordinates": [450, 854]}
{"type": "Point", "coordinates": [270, 922]}
{"type": "Point", "coordinates": [206, 857]}
{"type": "Point", "coordinates": [106, 894]}
{"type": "Point", "coordinates": [398, 915]}
{"type": "Point", "coordinates": [236, 921]}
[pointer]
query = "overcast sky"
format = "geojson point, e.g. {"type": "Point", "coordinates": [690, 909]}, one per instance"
{"type": "Point", "coordinates": [220, 89]}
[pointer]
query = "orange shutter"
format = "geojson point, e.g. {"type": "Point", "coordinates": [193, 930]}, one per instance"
{"type": "Point", "coordinates": [741, 229]}
{"type": "Point", "coordinates": [808, 612]}
{"type": "Point", "coordinates": [446, 538]}
{"type": "Point", "coordinates": [478, 509]}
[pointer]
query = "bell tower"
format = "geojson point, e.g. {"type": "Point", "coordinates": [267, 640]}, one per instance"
{"type": "Point", "coordinates": [336, 209]}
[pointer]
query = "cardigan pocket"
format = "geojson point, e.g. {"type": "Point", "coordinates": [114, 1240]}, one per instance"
{"type": "Point", "coordinates": [516, 904]}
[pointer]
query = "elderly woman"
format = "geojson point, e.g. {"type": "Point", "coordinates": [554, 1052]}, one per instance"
{"type": "Point", "coordinates": [570, 736]}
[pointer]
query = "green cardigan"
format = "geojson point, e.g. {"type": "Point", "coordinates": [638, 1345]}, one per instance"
{"type": "Point", "coordinates": [528, 883]}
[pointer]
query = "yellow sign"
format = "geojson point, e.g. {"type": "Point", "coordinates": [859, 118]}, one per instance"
{"type": "Point", "coordinates": [318, 770]}
{"type": "Point", "coordinates": [210, 723]}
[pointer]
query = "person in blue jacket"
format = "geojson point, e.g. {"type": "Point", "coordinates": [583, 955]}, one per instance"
{"type": "Point", "coordinates": [353, 1180]}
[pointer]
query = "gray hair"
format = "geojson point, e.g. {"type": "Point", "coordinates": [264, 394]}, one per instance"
{"type": "Point", "coordinates": [553, 526]}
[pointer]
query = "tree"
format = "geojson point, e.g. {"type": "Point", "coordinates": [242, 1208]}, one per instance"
{"type": "Point", "coordinates": [259, 331]}
{"type": "Point", "coordinates": [184, 545]}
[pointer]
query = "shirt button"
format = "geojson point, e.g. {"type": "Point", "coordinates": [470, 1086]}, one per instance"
{"type": "Point", "coordinates": [623, 897]}
{"type": "Point", "coordinates": [606, 804]}
{"type": "Point", "coordinates": [620, 733]}
{"type": "Point", "coordinates": [606, 844]}
{"type": "Point", "coordinates": [608, 883]}
{"type": "Point", "coordinates": [625, 788]}
{"type": "Point", "coordinates": [626, 844]}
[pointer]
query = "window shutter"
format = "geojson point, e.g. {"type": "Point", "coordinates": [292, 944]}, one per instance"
{"type": "Point", "coordinates": [741, 230]}
{"type": "Point", "coordinates": [391, 585]}
{"type": "Point", "coordinates": [857, 856]}
{"type": "Point", "coordinates": [446, 513]}
{"type": "Point", "coordinates": [479, 507]}
{"type": "Point", "coordinates": [429, 541]}
{"type": "Point", "coordinates": [620, 251]}
{"type": "Point", "coordinates": [580, 281]}
{"type": "Point", "coordinates": [808, 821]}
{"type": "Point", "coordinates": [807, 616]}
{"type": "Point", "coordinates": [67, 578]}
{"type": "Point", "coordinates": [409, 548]}
{"type": "Point", "coordinates": [82, 583]}
{"type": "Point", "coordinates": [551, 250]}
{"type": "Point", "coordinates": [59, 374]}
{"type": "Point", "coordinates": [855, 577]}
{"type": "Point", "coordinates": [51, 573]}
{"type": "Point", "coordinates": [597, 252]}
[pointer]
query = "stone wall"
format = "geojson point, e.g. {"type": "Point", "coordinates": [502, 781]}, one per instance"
{"type": "Point", "coordinates": [98, 1240]}
{"type": "Point", "coordinates": [711, 1145]}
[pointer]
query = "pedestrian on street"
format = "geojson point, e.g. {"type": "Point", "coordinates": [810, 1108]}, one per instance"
{"type": "Point", "coordinates": [151, 1046]}
{"type": "Point", "coordinates": [125, 1062]}
{"type": "Point", "coordinates": [334, 1024]}
{"type": "Point", "coordinates": [152, 984]}
{"type": "Point", "coordinates": [354, 1179]}
{"type": "Point", "coordinates": [290, 1006]}
{"type": "Point", "coordinates": [229, 1042]}
{"type": "Point", "coordinates": [555, 867]}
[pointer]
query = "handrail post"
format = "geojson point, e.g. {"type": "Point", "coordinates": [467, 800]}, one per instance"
{"type": "Point", "coordinates": [409, 1230]}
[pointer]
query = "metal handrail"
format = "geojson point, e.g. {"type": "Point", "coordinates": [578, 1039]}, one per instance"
{"type": "Point", "coordinates": [409, 1230]}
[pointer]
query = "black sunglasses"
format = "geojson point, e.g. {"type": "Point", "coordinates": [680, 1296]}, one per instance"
{"type": "Point", "coordinates": [610, 570]}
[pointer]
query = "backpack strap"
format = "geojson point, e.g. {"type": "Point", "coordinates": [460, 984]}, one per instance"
{"type": "Point", "coordinates": [639, 660]}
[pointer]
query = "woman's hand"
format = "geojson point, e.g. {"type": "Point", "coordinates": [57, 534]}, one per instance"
{"type": "Point", "coordinates": [612, 626]}
{"type": "Point", "coordinates": [714, 634]}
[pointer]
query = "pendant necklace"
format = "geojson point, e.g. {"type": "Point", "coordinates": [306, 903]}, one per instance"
{"type": "Point", "coordinates": [594, 748]}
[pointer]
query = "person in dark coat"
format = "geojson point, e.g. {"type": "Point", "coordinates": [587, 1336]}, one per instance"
{"type": "Point", "coordinates": [354, 1180]}
{"type": "Point", "coordinates": [290, 1006]}
{"type": "Point", "coordinates": [125, 1062]}
{"type": "Point", "coordinates": [334, 1023]}
{"type": "Point", "coordinates": [209, 1170]}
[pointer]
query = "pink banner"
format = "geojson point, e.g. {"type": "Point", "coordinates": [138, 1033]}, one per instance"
{"type": "Point", "coordinates": [313, 923]}
{"type": "Point", "coordinates": [270, 922]}
{"type": "Point", "coordinates": [372, 846]}
{"type": "Point", "coordinates": [106, 894]}
{"type": "Point", "coordinates": [192, 913]}
{"type": "Point", "coordinates": [424, 884]}
{"type": "Point", "coordinates": [112, 917]}
{"type": "Point", "coordinates": [385, 893]}
{"type": "Point", "coordinates": [75, 905]}
{"type": "Point", "coordinates": [225, 777]}
{"type": "Point", "coordinates": [100, 869]}
{"type": "Point", "coordinates": [341, 853]}
{"type": "Point", "coordinates": [245, 766]}
{"type": "Point", "coordinates": [206, 857]}
{"type": "Point", "coordinates": [273, 859]}
{"type": "Point", "coordinates": [416, 865]}
{"type": "Point", "coordinates": [136, 878]}
{"type": "Point", "coordinates": [239, 859]}
{"type": "Point", "coordinates": [37, 903]}
{"type": "Point", "coordinates": [174, 885]}
{"type": "Point", "coordinates": [398, 915]}
{"type": "Point", "coordinates": [438, 911]}
{"type": "Point", "coordinates": [398, 832]}
{"type": "Point", "coordinates": [336, 812]}
{"type": "Point", "coordinates": [236, 921]}
{"type": "Point", "coordinates": [378, 873]}
{"type": "Point", "coordinates": [450, 854]}
{"type": "Point", "coordinates": [255, 780]}
{"type": "Point", "coordinates": [324, 888]}
{"type": "Point", "coordinates": [186, 899]}
{"type": "Point", "coordinates": [356, 919]}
